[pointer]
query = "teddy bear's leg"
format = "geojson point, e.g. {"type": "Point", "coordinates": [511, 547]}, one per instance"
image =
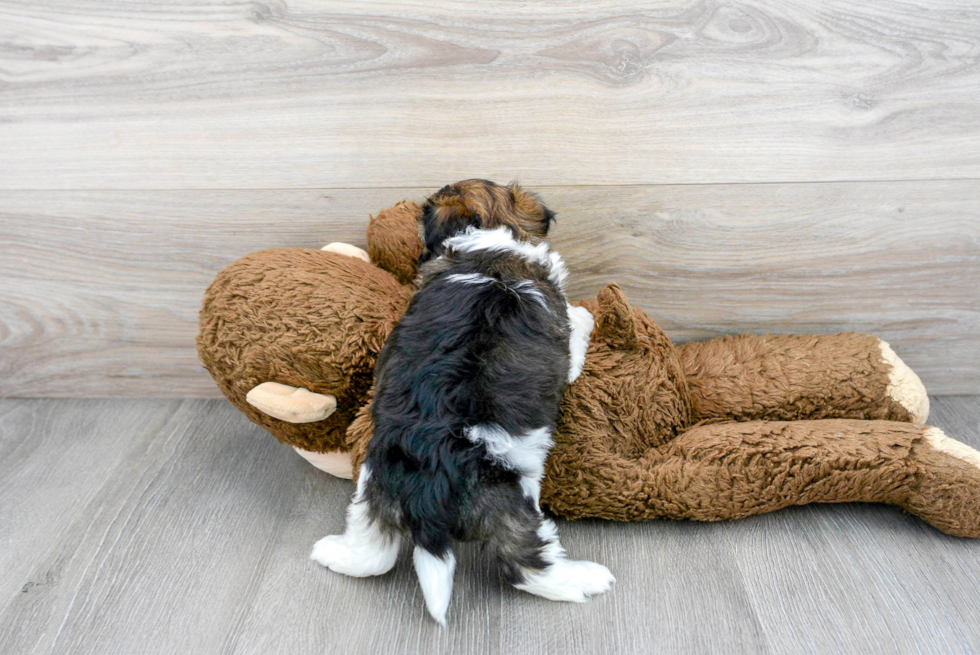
{"type": "Point", "coordinates": [792, 377]}
{"type": "Point", "coordinates": [948, 491]}
{"type": "Point", "coordinates": [730, 470]}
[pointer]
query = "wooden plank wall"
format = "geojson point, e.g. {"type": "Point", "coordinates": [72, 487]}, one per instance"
{"type": "Point", "coordinates": [746, 166]}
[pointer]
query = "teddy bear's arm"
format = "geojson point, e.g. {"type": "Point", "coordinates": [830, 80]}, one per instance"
{"type": "Point", "coordinates": [730, 470]}
{"type": "Point", "coordinates": [791, 377]}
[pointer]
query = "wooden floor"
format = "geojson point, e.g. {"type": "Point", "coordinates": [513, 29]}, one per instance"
{"type": "Point", "coordinates": [154, 526]}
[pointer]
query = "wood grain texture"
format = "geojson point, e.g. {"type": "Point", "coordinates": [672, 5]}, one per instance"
{"type": "Point", "coordinates": [101, 288]}
{"type": "Point", "coordinates": [104, 288]}
{"type": "Point", "coordinates": [47, 480]}
{"type": "Point", "coordinates": [363, 93]}
{"type": "Point", "coordinates": [158, 526]}
{"type": "Point", "coordinates": [161, 556]}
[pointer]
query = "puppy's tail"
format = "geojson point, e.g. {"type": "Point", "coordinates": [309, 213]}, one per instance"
{"type": "Point", "coordinates": [423, 473]}
{"type": "Point", "coordinates": [436, 579]}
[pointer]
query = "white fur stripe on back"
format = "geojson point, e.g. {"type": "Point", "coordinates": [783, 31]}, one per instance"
{"type": "Point", "coordinates": [501, 239]}
{"type": "Point", "coordinates": [525, 287]}
{"type": "Point", "coordinates": [469, 278]}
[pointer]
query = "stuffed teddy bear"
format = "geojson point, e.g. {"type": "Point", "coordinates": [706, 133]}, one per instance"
{"type": "Point", "coordinates": [708, 431]}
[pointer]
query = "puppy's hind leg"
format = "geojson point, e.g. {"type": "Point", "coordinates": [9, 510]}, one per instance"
{"type": "Point", "coordinates": [533, 560]}
{"type": "Point", "coordinates": [366, 547]}
{"type": "Point", "coordinates": [561, 578]}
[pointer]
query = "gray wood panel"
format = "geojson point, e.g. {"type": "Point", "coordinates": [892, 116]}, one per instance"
{"type": "Point", "coordinates": [359, 93]}
{"type": "Point", "coordinates": [47, 479]}
{"type": "Point", "coordinates": [101, 288]}
{"type": "Point", "coordinates": [168, 545]}
{"type": "Point", "coordinates": [158, 526]}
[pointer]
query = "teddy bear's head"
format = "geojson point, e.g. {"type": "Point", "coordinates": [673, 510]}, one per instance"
{"type": "Point", "coordinates": [303, 318]}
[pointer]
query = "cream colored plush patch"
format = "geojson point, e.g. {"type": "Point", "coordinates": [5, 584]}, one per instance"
{"type": "Point", "coordinates": [335, 462]}
{"type": "Point", "coordinates": [959, 450]}
{"type": "Point", "coordinates": [291, 404]}
{"type": "Point", "coordinates": [347, 249]}
{"type": "Point", "coordinates": [904, 386]}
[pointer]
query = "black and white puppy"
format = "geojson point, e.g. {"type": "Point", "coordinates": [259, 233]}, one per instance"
{"type": "Point", "coordinates": [466, 399]}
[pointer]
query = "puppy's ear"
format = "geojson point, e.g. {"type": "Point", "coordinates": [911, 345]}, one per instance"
{"type": "Point", "coordinates": [549, 218]}
{"type": "Point", "coordinates": [614, 322]}
{"type": "Point", "coordinates": [532, 216]}
{"type": "Point", "coordinates": [444, 214]}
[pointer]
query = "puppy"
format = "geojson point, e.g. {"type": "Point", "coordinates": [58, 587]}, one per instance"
{"type": "Point", "coordinates": [466, 399]}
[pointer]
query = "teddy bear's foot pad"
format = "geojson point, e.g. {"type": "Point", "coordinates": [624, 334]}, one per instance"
{"type": "Point", "coordinates": [347, 249]}
{"type": "Point", "coordinates": [334, 462]}
{"type": "Point", "coordinates": [904, 386]}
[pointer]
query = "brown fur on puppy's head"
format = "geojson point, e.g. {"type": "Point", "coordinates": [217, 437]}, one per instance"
{"type": "Point", "coordinates": [482, 204]}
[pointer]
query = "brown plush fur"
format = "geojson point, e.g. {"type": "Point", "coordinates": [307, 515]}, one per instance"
{"type": "Point", "coordinates": [708, 431]}
{"type": "Point", "coordinates": [393, 240]}
{"type": "Point", "coordinates": [277, 315]}
{"type": "Point", "coordinates": [745, 377]}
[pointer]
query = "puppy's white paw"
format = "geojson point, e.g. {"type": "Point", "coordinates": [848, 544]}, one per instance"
{"type": "Point", "coordinates": [595, 578]}
{"type": "Point", "coordinates": [569, 580]}
{"type": "Point", "coordinates": [581, 316]}
{"type": "Point", "coordinates": [346, 554]}
{"type": "Point", "coordinates": [582, 323]}
{"type": "Point", "coordinates": [333, 553]}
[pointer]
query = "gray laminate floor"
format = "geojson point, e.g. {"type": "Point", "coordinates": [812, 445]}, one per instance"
{"type": "Point", "coordinates": [178, 527]}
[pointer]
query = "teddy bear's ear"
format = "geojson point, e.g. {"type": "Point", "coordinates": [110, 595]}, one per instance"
{"type": "Point", "coordinates": [614, 322]}
{"type": "Point", "coordinates": [393, 240]}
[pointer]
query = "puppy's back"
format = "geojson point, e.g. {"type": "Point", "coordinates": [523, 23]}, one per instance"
{"type": "Point", "coordinates": [475, 347]}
